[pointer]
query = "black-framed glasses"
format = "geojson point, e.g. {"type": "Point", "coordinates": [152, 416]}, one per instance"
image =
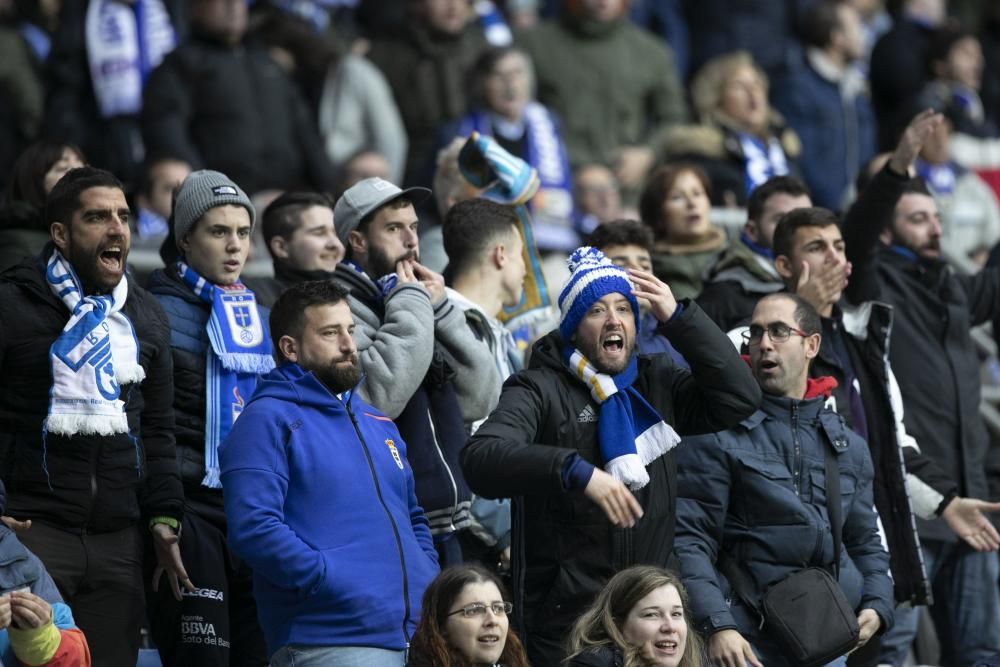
{"type": "Point", "coordinates": [778, 331]}
{"type": "Point", "coordinates": [477, 609]}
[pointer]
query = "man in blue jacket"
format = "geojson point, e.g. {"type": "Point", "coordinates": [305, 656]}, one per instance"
{"type": "Point", "coordinates": [320, 498]}
{"type": "Point", "coordinates": [752, 499]}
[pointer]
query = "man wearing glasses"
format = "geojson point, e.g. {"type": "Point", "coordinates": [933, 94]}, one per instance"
{"type": "Point", "coordinates": [751, 500]}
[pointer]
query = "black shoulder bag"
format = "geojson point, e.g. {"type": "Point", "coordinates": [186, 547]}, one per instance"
{"type": "Point", "coordinates": [807, 612]}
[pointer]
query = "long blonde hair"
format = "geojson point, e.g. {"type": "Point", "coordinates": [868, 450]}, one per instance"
{"type": "Point", "coordinates": [601, 625]}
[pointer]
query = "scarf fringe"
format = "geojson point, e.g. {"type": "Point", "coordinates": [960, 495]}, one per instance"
{"type": "Point", "coordinates": [130, 374]}
{"type": "Point", "coordinates": [656, 441]}
{"type": "Point", "coordinates": [212, 479]}
{"type": "Point", "coordinates": [629, 470]}
{"type": "Point", "coordinates": [239, 362]}
{"type": "Point", "coordinates": [86, 424]}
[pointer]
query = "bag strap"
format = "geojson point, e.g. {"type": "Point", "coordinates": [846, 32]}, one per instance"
{"type": "Point", "coordinates": [833, 508]}
{"type": "Point", "coordinates": [730, 569]}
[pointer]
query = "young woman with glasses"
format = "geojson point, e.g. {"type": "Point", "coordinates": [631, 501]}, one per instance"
{"type": "Point", "coordinates": [464, 622]}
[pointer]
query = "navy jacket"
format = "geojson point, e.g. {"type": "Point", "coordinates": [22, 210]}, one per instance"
{"type": "Point", "coordinates": [757, 493]}
{"type": "Point", "coordinates": [320, 503]}
{"type": "Point", "coordinates": [837, 134]}
{"type": "Point", "coordinates": [188, 316]}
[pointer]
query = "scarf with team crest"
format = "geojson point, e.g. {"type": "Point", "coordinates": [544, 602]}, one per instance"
{"type": "Point", "coordinates": [95, 354]}
{"type": "Point", "coordinates": [239, 352]}
{"type": "Point", "coordinates": [630, 433]}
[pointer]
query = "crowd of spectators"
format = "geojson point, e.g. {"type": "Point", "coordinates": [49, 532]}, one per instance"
{"type": "Point", "coordinates": [428, 348]}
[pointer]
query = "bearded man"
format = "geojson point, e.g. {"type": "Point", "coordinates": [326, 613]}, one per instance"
{"type": "Point", "coordinates": [583, 441]}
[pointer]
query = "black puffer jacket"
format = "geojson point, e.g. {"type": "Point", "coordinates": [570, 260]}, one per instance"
{"type": "Point", "coordinates": [233, 110]}
{"type": "Point", "coordinates": [188, 316]}
{"type": "Point", "coordinates": [96, 483]}
{"type": "Point", "coordinates": [564, 548]}
{"type": "Point", "coordinates": [932, 352]}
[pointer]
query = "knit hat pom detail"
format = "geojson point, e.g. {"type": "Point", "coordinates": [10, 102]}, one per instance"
{"type": "Point", "coordinates": [586, 255]}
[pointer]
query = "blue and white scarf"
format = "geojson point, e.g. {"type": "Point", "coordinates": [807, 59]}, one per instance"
{"type": "Point", "coordinates": [630, 433]}
{"type": "Point", "coordinates": [552, 205]}
{"type": "Point", "coordinates": [240, 351]}
{"type": "Point", "coordinates": [95, 354]}
{"type": "Point", "coordinates": [125, 42]}
{"type": "Point", "coordinates": [761, 161]}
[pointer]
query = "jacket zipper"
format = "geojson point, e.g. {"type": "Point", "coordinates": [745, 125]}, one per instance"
{"type": "Point", "coordinates": [392, 520]}
{"type": "Point", "coordinates": [451, 477]}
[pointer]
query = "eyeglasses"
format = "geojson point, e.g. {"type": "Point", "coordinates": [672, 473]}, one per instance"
{"type": "Point", "coordinates": [477, 609]}
{"type": "Point", "coordinates": [778, 331]}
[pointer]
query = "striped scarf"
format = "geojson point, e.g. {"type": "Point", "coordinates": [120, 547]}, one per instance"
{"type": "Point", "coordinates": [630, 433]}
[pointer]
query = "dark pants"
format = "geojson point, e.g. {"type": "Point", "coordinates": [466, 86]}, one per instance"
{"type": "Point", "coordinates": [217, 624]}
{"type": "Point", "coordinates": [100, 576]}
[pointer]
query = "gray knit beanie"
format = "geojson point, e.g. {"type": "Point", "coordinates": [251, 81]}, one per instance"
{"type": "Point", "coordinates": [201, 191]}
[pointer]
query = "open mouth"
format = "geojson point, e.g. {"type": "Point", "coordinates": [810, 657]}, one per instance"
{"type": "Point", "coordinates": [767, 364]}
{"type": "Point", "coordinates": [613, 343]}
{"type": "Point", "coordinates": [666, 645]}
{"type": "Point", "coordinates": [111, 258]}
{"type": "Point", "coordinates": [488, 639]}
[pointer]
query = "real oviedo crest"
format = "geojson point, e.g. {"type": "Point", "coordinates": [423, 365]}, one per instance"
{"type": "Point", "coordinates": [244, 320]}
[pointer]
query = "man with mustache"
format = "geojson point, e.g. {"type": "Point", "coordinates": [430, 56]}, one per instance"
{"type": "Point", "coordinates": [320, 498]}
{"type": "Point", "coordinates": [583, 441]}
{"type": "Point", "coordinates": [86, 415]}
{"type": "Point", "coordinates": [220, 347]}
{"type": "Point", "coordinates": [423, 365]}
{"type": "Point", "coordinates": [893, 236]}
{"type": "Point", "coordinates": [752, 505]}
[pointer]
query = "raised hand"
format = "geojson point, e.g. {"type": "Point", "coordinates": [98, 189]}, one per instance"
{"type": "Point", "coordinates": [914, 136]}
{"type": "Point", "coordinates": [434, 282]}
{"type": "Point", "coordinates": [823, 288]}
{"type": "Point", "coordinates": [647, 286]}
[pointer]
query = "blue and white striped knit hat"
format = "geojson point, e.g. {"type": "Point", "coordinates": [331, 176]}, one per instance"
{"type": "Point", "coordinates": [592, 277]}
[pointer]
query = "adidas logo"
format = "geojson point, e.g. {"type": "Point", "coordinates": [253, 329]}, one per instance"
{"type": "Point", "coordinates": [587, 415]}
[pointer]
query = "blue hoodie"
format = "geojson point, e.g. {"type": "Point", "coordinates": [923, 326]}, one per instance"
{"type": "Point", "coordinates": [320, 503]}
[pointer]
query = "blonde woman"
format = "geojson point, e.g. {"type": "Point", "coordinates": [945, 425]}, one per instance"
{"type": "Point", "coordinates": [639, 619]}
{"type": "Point", "coordinates": [740, 140]}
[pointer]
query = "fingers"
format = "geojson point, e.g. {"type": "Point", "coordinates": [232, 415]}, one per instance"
{"type": "Point", "coordinates": [749, 656]}
{"type": "Point", "coordinates": [981, 505]}
{"type": "Point", "coordinates": [157, 574]}
{"type": "Point", "coordinates": [404, 270]}
{"type": "Point", "coordinates": [622, 508]}
{"type": "Point", "coordinates": [15, 525]}
{"type": "Point", "coordinates": [804, 276]}
{"type": "Point", "coordinates": [175, 587]}
{"type": "Point", "coordinates": [30, 610]}
{"type": "Point", "coordinates": [990, 535]}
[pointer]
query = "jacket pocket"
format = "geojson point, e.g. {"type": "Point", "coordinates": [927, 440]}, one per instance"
{"type": "Point", "coordinates": [848, 486]}
{"type": "Point", "coordinates": [768, 492]}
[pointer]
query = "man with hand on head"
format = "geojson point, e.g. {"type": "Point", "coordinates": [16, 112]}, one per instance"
{"type": "Point", "coordinates": [86, 416]}
{"type": "Point", "coordinates": [589, 502]}
{"type": "Point", "coordinates": [220, 347]}
{"type": "Point", "coordinates": [320, 499]}
{"type": "Point", "coordinates": [423, 366]}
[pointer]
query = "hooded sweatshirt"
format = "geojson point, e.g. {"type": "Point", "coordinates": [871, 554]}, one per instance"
{"type": "Point", "coordinates": [320, 503]}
